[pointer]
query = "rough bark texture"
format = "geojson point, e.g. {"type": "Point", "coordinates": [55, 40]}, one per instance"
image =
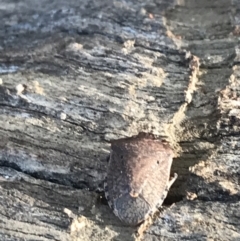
{"type": "Point", "coordinates": [78, 73]}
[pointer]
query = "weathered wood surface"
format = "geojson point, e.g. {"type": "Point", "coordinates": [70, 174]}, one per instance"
{"type": "Point", "coordinates": [75, 74]}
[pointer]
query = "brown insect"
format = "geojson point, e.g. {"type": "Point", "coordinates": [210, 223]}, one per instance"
{"type": "Point", "coordinates": [138, 177]}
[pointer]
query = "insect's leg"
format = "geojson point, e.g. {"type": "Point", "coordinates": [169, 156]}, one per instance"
{"type": "Point", "coordinates": [170, 183]}
{"type": "Point", "coordinates": [165, 192]}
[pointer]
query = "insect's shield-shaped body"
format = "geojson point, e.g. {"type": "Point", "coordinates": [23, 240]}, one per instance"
{"type": "Point", "coordinates": [138, 177]}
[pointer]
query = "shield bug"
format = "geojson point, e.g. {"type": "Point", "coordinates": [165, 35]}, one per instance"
{"type": "Point", "coordinates": [138, 177]}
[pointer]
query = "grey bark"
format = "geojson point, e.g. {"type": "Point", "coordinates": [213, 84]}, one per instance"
{"type": "Point", "coordinates": [76, 74]}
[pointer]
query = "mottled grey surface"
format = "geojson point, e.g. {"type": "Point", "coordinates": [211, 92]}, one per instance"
{"type": "Point", "coordinates": [78, 73]}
